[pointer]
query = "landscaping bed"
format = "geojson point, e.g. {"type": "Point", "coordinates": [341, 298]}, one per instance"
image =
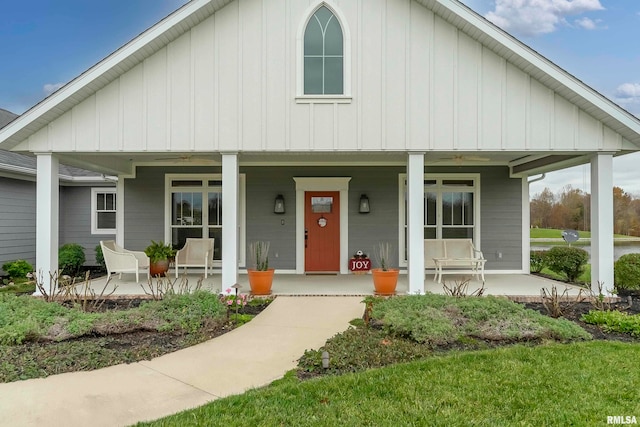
{"type": "Point", "coordinates": [39, 338]}
{"type": "Point", "coordinates": [399, 330]}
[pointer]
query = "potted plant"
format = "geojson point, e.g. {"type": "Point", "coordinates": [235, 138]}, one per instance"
{"type": "Point", "coordinates": [385, 278]}
{"type": "Point", "coordinates": [260, 276]}
{"type": "Point", "coordinates": [159, 255]}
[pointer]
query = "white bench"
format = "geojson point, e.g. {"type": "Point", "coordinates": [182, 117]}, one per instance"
{"type": "Point", "coordinates": [453, 256]}
{"type": "Point", "coordinates": [195, 253]}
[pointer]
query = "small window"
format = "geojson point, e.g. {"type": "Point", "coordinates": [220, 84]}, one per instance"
{"type": "Point", "coordinates": [103, 210]}
{"type": "Point", "coordinates": [323, 55]}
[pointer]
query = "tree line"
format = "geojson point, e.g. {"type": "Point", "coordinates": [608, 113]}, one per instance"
{"type": "Point", "coordinates": [570, 208]}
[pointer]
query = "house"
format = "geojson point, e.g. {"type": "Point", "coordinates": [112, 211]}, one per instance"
{"type": "Point", "coordinates": [423, 109]}
{"type": "Point", "coordinates": [78, 189]}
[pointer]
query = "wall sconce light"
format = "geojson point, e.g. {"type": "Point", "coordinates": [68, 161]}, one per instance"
{"type": "Point", "coordinates": [278, 207]}
{"type": "Point", "coordinates": [364, 204]}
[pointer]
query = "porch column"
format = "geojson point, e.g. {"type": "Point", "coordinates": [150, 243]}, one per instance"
{"type": "Point", "coordinates": [230, 195]}
{"type": "Point", "coordinates": [120, 211]}
{"type": "Point", "coordinates": [526, 226]}
{"type": "Point", "coordinates": [47, 214]}
{"type": "Point", "coordinates": [415, 223]}
{"type": "Point", "coordinates": [602, 221]}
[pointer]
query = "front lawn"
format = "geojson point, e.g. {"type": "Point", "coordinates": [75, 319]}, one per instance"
{"type": "Point", "coordinates": [551, 385]}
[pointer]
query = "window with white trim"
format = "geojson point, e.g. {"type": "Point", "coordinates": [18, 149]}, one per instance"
{"type": "Point", "coordinates": [451, 207]}
{"type": "Point", "coordinates": [103, 211]}
{"type": "Point", "coordinates": [323, 54]}
{"type": "Point", "coordinates": [194, 210]}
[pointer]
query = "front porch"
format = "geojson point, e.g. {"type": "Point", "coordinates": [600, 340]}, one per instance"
{"type": "Point", "coordinates": [521, 285]}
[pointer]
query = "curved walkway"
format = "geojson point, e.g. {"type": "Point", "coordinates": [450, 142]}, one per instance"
{"type": "Point", "coordinates": [250, 356]}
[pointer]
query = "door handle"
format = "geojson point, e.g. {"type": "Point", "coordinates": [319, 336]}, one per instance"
{"type": "Point", "coordinates": [306, 237]}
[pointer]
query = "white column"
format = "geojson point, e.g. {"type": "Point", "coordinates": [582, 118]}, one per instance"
{"type": "Point", "coordinates": [47, 214]}
{"type": "Point", "coordinates": [526, 226]}
{"type": "Point", "coordinates": [415, 222]}
{"type": "Point", "coordinates": [230, 196]}
{"type": "Point", "coordinates": [120, 211]}
{"type": "Point", "coordinates": [602, 221]}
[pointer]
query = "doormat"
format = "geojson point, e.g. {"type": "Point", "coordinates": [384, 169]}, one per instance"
{"type": "Point", "coordinates": [321, 273]}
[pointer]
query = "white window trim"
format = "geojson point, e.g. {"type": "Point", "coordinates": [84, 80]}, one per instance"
{"type": "Point", "coordinates": [343, 98]}
{"type": "Point", "coordinates": [242, 212]}
{"type": "Point", "coordinates": [402, 214]}
{"type": "Point", "coordinates": [94, 210]}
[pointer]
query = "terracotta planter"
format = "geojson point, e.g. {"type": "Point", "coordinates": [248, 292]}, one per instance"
{"type": "Point", "coordinates": [385, 282]}
{"type": "Point", "coordinates": [260, 281]}
{"type": "Point", "coordinates": [159, 268]}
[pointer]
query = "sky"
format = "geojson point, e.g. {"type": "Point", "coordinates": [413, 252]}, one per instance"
{"type": "Point", "coordinates": [46, 43]}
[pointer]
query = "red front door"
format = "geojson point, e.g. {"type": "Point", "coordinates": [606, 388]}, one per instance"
{"type": "Point", "coordinates": [322, 231]}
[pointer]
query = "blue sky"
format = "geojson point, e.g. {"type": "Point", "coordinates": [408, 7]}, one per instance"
{"type": "Point", "coordinates": [47, 43]}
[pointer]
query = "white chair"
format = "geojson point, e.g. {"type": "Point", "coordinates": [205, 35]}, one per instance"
{"type": "Point", "coordinates": [195, 253]}
{"type": "Point", "coordinates": [119, 260]}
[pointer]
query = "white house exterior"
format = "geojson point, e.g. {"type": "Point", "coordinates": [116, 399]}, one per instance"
{"type": "Point", "coordinates": [429, 110]}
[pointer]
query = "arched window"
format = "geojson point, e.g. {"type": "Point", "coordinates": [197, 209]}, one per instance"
{"type": "Point", "coordinates": [323, 54]}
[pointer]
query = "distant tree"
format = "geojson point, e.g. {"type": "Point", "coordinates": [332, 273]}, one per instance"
{"type": "Point", "coordinates": [541, 205]}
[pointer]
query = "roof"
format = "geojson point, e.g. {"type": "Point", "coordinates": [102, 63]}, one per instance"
{"type": "Point", "coordinates": [26, 164]}
{"type": "Point", "coordinates": [194, 12]}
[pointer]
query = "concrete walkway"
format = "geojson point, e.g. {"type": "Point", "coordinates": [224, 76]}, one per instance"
{"type": "Point", "coordinates": [250, 356]}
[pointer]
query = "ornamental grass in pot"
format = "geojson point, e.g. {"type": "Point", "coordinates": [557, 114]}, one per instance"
{"type": "Point", "coordinates": [260, 276]}
{"type": "Point", "coordinates": [385, 278]}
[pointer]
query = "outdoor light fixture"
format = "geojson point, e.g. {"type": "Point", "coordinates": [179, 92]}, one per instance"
{"type": "Point", "coordinates": [279, 205]}
{"type": "Point", "coordinates": [364, 204]}
{"type": "Point", "coordinates": [325, 359]}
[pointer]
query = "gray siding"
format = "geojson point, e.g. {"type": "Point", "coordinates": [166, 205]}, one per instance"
{"type": "Point", "coordinates": [500, 196]}
{"type": "Point", "coordinates": [75, 221]}
{"type": "Point", "coordinates": [501, 219]}
{"type": "Point", "coordinates": [500, 215]}
{"type": "Point", "coordinates": [17, 221]}
{"type": "Point", "coordinates": [265, 183]}
{"type": "Point", "coordinates": [144, 204]}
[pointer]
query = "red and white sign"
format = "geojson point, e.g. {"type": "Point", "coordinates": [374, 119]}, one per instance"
{"type": "Point", "coordinates": [360, 264]}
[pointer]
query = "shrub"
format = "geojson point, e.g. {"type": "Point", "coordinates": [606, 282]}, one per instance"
{"type": "Point", "coordinates": [71, 258]}
{"type": "Point", "coordinates": [567, 260]}
{"type": "Point", "coordinates": [17, 269]}
{"type": "Point", "coordinates": [100, 257]}
{"type": "Point", "coordinates": [615, 321]}
{"type": "Point", "coordinates": [626, 272]}
{"type": "Point", "coordinates": [538, 261]}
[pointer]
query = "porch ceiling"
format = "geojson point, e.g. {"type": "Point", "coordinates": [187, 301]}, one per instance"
{"type": "Point", "coordinates": [522, 163]}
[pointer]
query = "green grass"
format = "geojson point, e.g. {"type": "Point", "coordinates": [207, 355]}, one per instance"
{"type": "Point", "coordinates": [554, 233]}
{"type": "Point", "coordinates": [19, 288]}
{"type": "Point", "coordinates": [517, 385]}
{"type": "Point", "coordinates": [584, 278]}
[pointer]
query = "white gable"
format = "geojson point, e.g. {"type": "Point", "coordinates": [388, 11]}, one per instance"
{"type": "Point", "coordinates": [230, 82]}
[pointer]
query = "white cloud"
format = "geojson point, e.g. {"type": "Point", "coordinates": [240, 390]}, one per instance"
{"type": "Point", "coordinates": [588, 23]}
{"type": "Point", "coordinates": [49, 88]}
{"type": "Point", "coordinates": [628, 95]}
{"type": "Point", "coordinates": [533, 17]}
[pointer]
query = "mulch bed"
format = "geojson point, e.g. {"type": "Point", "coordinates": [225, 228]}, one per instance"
{"type": "Point", "coordinates": [575, 311]}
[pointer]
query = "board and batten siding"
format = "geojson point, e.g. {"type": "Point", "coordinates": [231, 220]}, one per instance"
{"type": "Point", "coordinates": [75, 221]}
{"type": "Point", "coordinates": [17, 221]}
{"type": "Point", "coordinates": [417, 82]}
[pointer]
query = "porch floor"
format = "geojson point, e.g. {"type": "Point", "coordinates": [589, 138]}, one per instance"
{"type": "Point", "coordinates": [293, 284]}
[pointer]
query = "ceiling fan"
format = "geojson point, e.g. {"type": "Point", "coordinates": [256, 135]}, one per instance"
{"type": "Point", "coordinates": [187, 158]}
{"type": "Point", "coordinates": [461, 158]}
